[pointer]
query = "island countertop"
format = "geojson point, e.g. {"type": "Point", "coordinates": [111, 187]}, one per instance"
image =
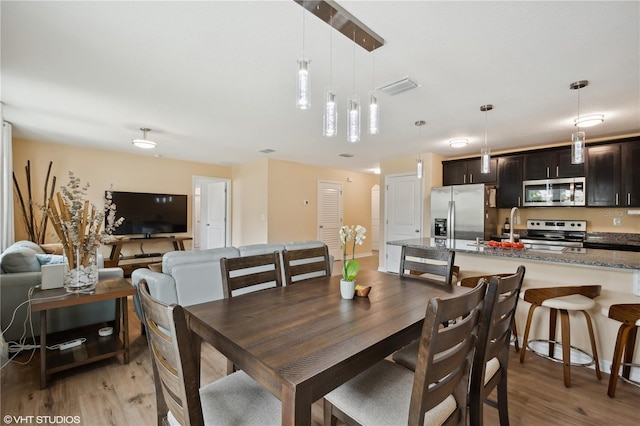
{"type": "Point", "coordinates": [589, 256]}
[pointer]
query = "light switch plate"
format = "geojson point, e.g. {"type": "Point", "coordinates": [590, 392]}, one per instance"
{"type": "Point", "coordinates": [617, 221]}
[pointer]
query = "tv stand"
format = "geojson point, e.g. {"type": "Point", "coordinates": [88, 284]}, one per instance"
{"type": "Point", "coordinates": [141, 261]}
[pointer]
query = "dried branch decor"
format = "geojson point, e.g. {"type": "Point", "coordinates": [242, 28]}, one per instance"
{"type": "Point", "coordinates": [36, 227]}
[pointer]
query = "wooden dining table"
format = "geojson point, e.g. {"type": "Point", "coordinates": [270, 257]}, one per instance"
{"type": "Point", "coordinates": [302, 341]}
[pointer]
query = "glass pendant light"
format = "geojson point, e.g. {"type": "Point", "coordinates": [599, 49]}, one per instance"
{"type": "Point", "coordinates": [353, 105]}
{"type": "Point", "coordinates": [485, 153]}
{"type": "Point", "coordinates": [578, 138]}
{"type": "Point", "coordinates": [419, 164]}
{"type": "Point", "coordinates": [374, 127]}
{"type": "Point", "coordinates": [303, 100]}
{"type": "Point", "coordinates": [330, 116]}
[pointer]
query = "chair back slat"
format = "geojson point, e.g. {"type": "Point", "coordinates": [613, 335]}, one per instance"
{"type": "Point", "coordinates": [305, 264]}
{"type": "Point", "coordinates": [249, 271]}
{"type": "Point", "coordinates": [174, 363]}
{"type": "Point", "coordinates": [427, 263]}
{"type": "Point", "coordinates": [443, 370]}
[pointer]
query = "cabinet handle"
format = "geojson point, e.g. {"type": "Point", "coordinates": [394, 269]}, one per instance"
{"type": "Point", "coordinates": [547, 171]}
{"type": "Point", "coordinates": [617, 199]}
{"type": "Point", "coordinates": [557, 171]}
{"type": "Point", "coordinates": [464, 179]}
{"type": "Point", "coordinates": [628, 199]}
{"type": "Point", "coordinates": [518, 201]}
{"type": "Point", "coordinates": [470, 177]}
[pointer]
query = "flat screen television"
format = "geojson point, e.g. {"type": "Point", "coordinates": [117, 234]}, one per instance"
{"type": "Point", "coordinates": [150, 214]}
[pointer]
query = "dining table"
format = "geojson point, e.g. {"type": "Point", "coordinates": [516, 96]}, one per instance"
{"type": "Point", "coordinates": [303, 340]}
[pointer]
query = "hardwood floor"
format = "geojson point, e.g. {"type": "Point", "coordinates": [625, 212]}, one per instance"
{"type": "Point", "coordinates": [111, 393]}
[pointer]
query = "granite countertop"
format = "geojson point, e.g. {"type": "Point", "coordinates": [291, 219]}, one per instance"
{"type": "Point", "coordinates": [589, 256]}
{"type": "Point", "coordinates": [613, 238]}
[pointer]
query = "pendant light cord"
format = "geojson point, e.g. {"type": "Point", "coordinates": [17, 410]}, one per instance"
{"type": "Point", "coordinates": [486, 111]}
{"type": "Point", "coordinates": [331, 49]}
{"type": "Point", "coordinates": [578, 119]}
{"type": "Point", "coordinates": [354, 60]}
{"type": "Point", "coordinates": [303, 33]}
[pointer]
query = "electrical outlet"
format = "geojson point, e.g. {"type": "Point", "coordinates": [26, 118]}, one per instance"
{"type": "Point", "coordinates": [617, 221]}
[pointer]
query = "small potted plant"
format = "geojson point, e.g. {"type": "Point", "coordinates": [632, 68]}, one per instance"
{"type": "Point", "coordinates": [354, 235]}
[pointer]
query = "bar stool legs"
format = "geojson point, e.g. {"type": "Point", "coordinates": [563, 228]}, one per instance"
{"type": "Point", "coordinates": [629, 315]}
{"type": "Point", "coordinates": [561, 300]}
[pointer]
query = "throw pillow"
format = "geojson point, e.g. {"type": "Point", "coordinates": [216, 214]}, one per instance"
{"type": "Point", "coordinates": [55, 248]}
{"type": "Point", "coordinates": [49, 259]}
{"type": "Point", "coordinates": [19, 259]}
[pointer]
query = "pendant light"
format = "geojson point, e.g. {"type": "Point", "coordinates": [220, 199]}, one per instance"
{"type": "Point", "coordinates": [303, 100]}
{"type": "Point", "coordinates": [419, 164]}
{"type": "Point", "coordinates": [374, 112]}
{"type": "Point", "coordinates": [144, 142]}
{"type": "Point", "coordinates": [578, 138]}
{"type": "Point", "coordinates": [330, 116]}
{"type": "Point", "coordinates": [485, 153]}
{"type": "Point", "coordinates": [353, 104]}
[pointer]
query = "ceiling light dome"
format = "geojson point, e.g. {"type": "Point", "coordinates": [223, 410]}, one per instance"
{"type": "Point", "coordinates": [458, 143]}
{"type": "Point", "coordinates": [588, 120]}
{"type": "Point", "coordinates": [144, 142]}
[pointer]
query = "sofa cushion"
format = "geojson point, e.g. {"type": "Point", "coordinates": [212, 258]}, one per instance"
{"type": "Point", "coordinates": [254, 249]}
{"type": "Point", "coordinates": [21, 257]}
{"type": "Point", "coordinates": [172, 259]}
{"type": "Point", "coordinates": [49, 259]}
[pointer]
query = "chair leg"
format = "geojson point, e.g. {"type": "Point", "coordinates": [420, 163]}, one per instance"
{"type": "Point", "coordinates": [503, 404]}
{"type": "Point", "coordinates": [553, 320]}
{"type": "Point", "coordinates": [523, 352]}
{"type": "Point", "coordinates": [623, 333]}
{"type": "Point", "coordinates": [628, 352]}
{"type": "Point", "coordinates": [593, 344]}
{"type": "Point", "coordinates": [566, 346]}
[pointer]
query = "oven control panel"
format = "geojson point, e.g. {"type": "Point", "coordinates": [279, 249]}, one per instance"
{"type": "Point", "coordinates": [557, 225]}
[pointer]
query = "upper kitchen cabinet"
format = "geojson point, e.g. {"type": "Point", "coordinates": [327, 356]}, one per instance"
{"type": "Point", "coordinates": [510, 181]}
{"type": "Point", "coordinates": [550, 164]}
{"type": "Point", "coordinates": [460, 172]}
{"type": "Point", "coordinates": [611, 181]}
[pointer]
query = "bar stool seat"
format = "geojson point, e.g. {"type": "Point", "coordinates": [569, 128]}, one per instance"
{"type": "Point", "coordinates": [629, 315]}
{"type": "Point", "coordinates": [562, 300]}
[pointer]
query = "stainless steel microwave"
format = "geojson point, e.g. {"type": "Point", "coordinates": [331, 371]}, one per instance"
{"type": "Point", "coordinates": [554, 192]}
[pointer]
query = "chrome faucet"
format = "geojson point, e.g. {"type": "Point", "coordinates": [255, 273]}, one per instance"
{"type": "Point", "coordinates": [515, 214]}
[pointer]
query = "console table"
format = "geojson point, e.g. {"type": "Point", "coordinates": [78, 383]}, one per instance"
{"type": "Point", "coordinates": [96, 347]}
{"type": "Point", "coordinates": [116, 248]}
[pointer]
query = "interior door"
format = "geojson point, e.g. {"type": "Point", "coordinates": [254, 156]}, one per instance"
{"type": "Point", "coordinates": [403, 208]}
{"type": "Point", "coordinates": [375, 217]}
{"type": "Point", "coordinates": [211, 210]}
{"type": "Point", "coordinates": [330, 215]}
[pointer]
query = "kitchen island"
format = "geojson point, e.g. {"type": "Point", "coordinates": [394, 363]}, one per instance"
{"type": "Point", "coordinates": [618, 272]}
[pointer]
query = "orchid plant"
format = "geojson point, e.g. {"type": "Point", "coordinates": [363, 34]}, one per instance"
{"type": "Point", "coordinates": [354, 235]}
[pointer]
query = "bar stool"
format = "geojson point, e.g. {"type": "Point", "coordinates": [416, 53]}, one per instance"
{"type": "Point", "coordinates": [629, 315]}
{"type": "Point", "coordinates": [471, 282]}
{"type": "Point", "coordinates": [562, 300]}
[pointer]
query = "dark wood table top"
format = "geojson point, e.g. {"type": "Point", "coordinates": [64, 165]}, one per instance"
{"type": "Point", "coordinates": [304, 340]}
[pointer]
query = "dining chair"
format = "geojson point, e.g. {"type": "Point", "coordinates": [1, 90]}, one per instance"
{"type": "Point", "coordinates": [250, 273]}
{"type": "Point", "coordinates": [491, 360]}
{"type": "Point", "coordinates": [233, 399]}
{"type": "Point", "coordinates": [436, 393]}
{"type": "Point", "coordinates": [307, 263]}
{"type": "Point", "coordinates": [427, 263]}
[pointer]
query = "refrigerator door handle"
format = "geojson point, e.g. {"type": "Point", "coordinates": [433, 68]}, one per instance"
{"type": "Point", "coordinates": [452, 220]}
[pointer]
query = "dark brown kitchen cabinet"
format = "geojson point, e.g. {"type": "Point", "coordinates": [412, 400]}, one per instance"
{"type": "Point", "coordinates": [550, 164]}
{"type": "Point", "coordinates": [510, 181]}
{"type": "Point", "coordinates": [611, 178]}
{"type": "Point", "coordinates": [460, 172]}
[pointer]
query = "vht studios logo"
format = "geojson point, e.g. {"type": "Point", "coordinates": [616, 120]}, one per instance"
{"type": "Point", "coordinates": [60, 420]}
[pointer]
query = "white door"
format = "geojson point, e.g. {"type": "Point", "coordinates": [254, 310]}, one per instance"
{"type": "Point", "coordinates": [375, 217]}
{"type": "Point", "coordinates": [211, 210]}
{"type": "Point", "coordinates": [330, 215]}
{"type": "Point", "coordinates": [403, 212]}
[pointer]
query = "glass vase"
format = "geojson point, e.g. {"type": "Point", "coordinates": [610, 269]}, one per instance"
{"type": "Point", "coordinates": [81, 274]}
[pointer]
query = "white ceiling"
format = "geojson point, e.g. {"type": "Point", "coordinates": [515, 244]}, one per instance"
{"type": "Point", "coordinates": [215, 81]}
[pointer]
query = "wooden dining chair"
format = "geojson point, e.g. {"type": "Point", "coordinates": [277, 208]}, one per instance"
{"type": "Point", "coordinates": [250, 273]}
{"type": "Point", "coordinates": [307, 263]}
{"type": "Point", "coordinates": [490, 362]}
{"type": "Point", "coordinates": [428, 263]}
{"type": "Point", "coordinates": [437, 392]}
{"type": "Point", "coordinates": [234, 399]}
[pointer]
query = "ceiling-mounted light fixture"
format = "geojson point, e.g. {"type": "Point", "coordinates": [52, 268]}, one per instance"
{"type": "Point", "coordinates": [144, 142]}
{"type": "Point", "coordinates": [419, 164]}
{"type": "Point", "coordinates": [458, 143]}
{"type": "Point", "coordinates": [303, 100]}
{"type": "Point", "coordinates": [353, 105]}
{"type": "Point", "coordinates": [485, 153]}
{"type": "Point", "coordinates": [578, 138]}
{"type": "Point", "coordinates": [588, 120]}
{"type": "Point", "coordinates": [330, 116]}
{"type": "Point", "coordinates": [374, 117]}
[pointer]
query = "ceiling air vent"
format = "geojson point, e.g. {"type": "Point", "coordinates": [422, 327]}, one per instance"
{"type": "Point", "coordinates": [345, 155]}
{"type": "Point", "coordinates": [399, 86]}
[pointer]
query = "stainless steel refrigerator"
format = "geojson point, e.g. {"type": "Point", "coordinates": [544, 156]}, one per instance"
{"type": "Point", "coordinates": [464, 212]}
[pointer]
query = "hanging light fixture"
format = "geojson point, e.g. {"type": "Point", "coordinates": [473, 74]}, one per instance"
{"type": "Point", "coordinates": [485, 153]}
{"type": "Point", "coordinates": [458, 143]}
{"type": "Point", "coordinates": [330, 121]}
{"type": "Point", "coordinates": [353, 104]}
{"type": "Point", "coordinates": [303, 100]}
{"type": "Point", "coordinates": [578, 138]}
{"type": "Point", "coordinates": [419, 164]}
{"type": "Point", "coordinates": [374, 127]}
{"type": "Point", "coordinates": [144, 142]}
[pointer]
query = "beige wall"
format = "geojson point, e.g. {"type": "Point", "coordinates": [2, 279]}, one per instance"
{"type": "Point", "coordinates": [249, 201]}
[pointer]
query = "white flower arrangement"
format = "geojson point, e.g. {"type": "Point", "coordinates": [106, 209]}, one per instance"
{"type": "Point", "coordinates": [348, 233]}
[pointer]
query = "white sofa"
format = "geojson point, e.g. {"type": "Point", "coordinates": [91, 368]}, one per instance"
{"type": "Point", "coordinates": [191, 277]}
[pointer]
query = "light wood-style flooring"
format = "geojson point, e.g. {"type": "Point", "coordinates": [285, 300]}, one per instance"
{"type": "Point", "coordinates": [111, 393]}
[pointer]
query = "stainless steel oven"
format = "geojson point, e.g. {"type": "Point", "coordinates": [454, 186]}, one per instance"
{"type": "Point", "coordinates": [555, 235]}
{"type": "Point", "coordinates": [554, 192]}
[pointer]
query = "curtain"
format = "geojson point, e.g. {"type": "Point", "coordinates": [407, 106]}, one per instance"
{"type": "Point", "coordinates": [7, 234]}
